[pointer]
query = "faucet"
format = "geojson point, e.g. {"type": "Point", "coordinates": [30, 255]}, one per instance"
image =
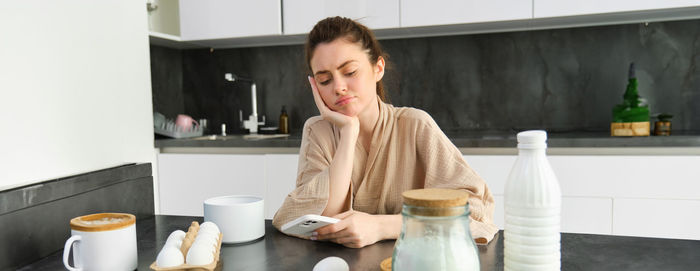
{"type": "Point", "coordinates": [252, 122]}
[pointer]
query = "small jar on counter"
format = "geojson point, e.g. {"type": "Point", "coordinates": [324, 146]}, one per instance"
{"type": "Point", "coordinates": [662, 127]}
{"type": "Point", "coordinates": [435, 233]}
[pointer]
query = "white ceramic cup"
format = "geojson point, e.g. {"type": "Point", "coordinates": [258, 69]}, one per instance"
{"type": "Point", "coordinates": [240, 218]}
{"type": "Point", "coordinates": [104, 241]}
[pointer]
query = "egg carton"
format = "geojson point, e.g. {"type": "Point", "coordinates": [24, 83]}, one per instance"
{"type": "Point", "coordinates": [171, 130]}
{"type": "Point", "coordinates": [192, 234]}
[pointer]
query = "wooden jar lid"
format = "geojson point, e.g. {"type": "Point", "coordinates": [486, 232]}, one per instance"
{"type": "Point", "coordinates": [102, 222]}
{"type": "Point", "coordinates": [434, 199]}
{"type": "Point", "coordinates": [385, 265]}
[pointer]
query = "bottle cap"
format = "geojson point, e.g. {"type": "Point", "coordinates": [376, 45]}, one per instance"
{"type": "Point", "coordinates": [534, 139]}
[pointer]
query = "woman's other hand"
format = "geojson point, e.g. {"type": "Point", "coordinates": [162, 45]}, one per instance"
{"type": "Point", "coordinates": [339, 119]}
{"type": "Point", "coordinates": [358, 229]}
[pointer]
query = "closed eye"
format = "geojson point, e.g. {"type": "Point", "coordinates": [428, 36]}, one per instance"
{"type": "Point", "coordinates": [351, 73]}
{"type": "Point", "coordinates": [323, 83]}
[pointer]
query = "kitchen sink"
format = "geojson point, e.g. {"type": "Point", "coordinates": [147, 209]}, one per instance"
{"type": "Point", "coordinates": [217, 137]}
{"type": "Point", "coordinates": [252, 137]}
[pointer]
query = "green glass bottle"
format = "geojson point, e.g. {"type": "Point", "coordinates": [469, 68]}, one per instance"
{"type": "Point", "coordinates": [633, 108]}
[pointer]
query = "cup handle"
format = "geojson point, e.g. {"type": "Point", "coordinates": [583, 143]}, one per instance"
{"type": "Point", "coordinates": [66, 252]}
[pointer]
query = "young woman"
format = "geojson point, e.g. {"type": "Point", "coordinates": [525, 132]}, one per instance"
{"type": "Point", "coordinates": [361, 153]}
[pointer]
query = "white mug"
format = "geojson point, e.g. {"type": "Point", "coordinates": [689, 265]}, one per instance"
{"type": "Point", "coordinates": [240, 218]}
{"type": "Point", "coordinates": [104, 241]}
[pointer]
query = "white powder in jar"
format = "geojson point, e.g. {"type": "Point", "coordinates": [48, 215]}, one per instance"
{"type": "Point", "coordinates": [104, 221]}
{"type": "Point", "coordinates": [436, 253]}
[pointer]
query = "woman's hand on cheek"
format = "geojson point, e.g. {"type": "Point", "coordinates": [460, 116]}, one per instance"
{"type": "Point", "coordinates": [339, 119]}
{"type": "Point", "coordinates": [355, 230]}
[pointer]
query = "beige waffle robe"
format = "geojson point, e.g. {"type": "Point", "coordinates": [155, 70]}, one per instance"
{"type": "Point", "coordinates": [407, 151]}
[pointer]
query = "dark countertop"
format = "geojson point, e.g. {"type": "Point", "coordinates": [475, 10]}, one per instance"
{"type": "Point", "coordinates": [277, 251]}
{"type": "Point", "coordinates": [471, 139]}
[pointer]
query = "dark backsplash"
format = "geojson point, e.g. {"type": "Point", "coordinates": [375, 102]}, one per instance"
{"type": "Point", "coordinates": [559, 80]}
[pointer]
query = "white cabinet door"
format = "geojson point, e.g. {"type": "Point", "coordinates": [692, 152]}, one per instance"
{"type": "Point", "coordinates": [586, 215]}
{"type": "Point", "coordinates": [281, 176]}
{"type": "Point", "coordinates": [218, 19]}
{"type": "Point", "coordinates": [555, 8]}
{"type": "Point", "coordinates": [655, 196]}
{"type": "Point", "coordinates": [300, 16]}
{"type": "Point", "coordinates": [440, 12]}
{"type": "Point", "coordinates": [186, 180]}
{"type": "Point", "coordinates": [657, 218]}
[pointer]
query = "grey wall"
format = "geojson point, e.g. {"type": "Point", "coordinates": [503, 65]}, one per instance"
{"type": "Point", "coordinates": [36, 218]}
{"type": "Point", "coordinates": [560, 80]}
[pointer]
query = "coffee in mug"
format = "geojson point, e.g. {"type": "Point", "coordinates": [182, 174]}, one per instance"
{"type": "Point", "coordinates": [104, 241]}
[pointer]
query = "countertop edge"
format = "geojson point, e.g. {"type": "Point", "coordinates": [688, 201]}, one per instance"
{"type": "Point", "coordinates": [633, 151]}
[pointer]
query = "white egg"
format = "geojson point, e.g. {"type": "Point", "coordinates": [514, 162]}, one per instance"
{"type": "Point", "coordinates": [169, 257]}
{"type": "Point", "coordinates": [199, 255]}
{"type": "Point", "coordinates": [205, 243]}
{"type": "Point", "coordinates": [209, 225]}
{"type": "Point", "coordinates": [174, 243]}
{"type": "Point", "coordinates": [214, 238]}
{"type": "Point", "coordinates": [332, 264]}
{"type": "Point", "coordinates": [176, 235]}
{"type": "Point", "coordinates": [209, 230]}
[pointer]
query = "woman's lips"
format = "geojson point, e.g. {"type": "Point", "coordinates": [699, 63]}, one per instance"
{"type": "Point", "coordinates": [344, 100]}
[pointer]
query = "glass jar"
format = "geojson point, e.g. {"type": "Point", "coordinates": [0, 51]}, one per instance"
{"type": "Point", "coordinates": [435, 233]}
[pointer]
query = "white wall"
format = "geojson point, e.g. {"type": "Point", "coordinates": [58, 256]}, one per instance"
{"type": "Point", "coordinates": [75, 91]}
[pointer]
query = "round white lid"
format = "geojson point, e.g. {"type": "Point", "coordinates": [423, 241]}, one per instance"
{"type": "Point", "coordinates": [532, 139]}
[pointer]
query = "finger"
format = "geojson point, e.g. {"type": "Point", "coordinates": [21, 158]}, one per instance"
{"type": "Point", "coordinates": [317, 96]}
{"type": "Point", "coordinates": [348, 240]}
{"type": "Point", "coordinates": [344, 233]}
{"type": "Point", "coordinates": [325, 230]}
{"type": "Point", "coordinates": [344, 215]}
{"type": "Point", "coordinates": [352, 245]}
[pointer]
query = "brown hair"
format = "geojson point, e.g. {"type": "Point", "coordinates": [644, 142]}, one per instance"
{"type": "Point", "coordinates": [332, 28]}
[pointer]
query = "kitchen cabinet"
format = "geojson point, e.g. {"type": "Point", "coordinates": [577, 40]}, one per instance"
{"type": "Point", "coordinates": [640, 195]}
{"type": "Point", "coordinates": [301, 15]}
{"type": "Point", "coordinates": [164, 18]}
{"type": "Point", "coordinates": [665, 218]}
{"type": "Point", "coordinates": [218, 19]}
{"type": "Point", "coordinates": [194, 20]}
{"type": "Point", "coordinates": [186, 180]}
{"type": "Point", "coordinates": [556, 8]}
{"type": "Point", "coordinates": [636, 195]}
{"type": "Point", "coordinates": [188, 24]}
{"type": "Point", "coordinates": [444, 12]}
{"type": "Point", "coordinates": [281, 178]}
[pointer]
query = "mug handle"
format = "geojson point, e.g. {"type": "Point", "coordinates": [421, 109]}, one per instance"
{"type": "Point", "coordinates": [66, 252]}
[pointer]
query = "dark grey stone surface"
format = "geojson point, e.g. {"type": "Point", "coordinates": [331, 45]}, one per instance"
{"type": "Point", "coordinates": [561, 80]}
{"type": "Point", "coordinates": [277, 251]}
{"type": "Point", "coordinates": [468, 140]}
{"type": "Point", "coordinates": [166, 81]}
{"type": "Point", "coordinates": [41, 226]}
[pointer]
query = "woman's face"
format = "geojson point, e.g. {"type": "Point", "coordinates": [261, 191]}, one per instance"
{"type": "Point", "coordinates": [345, 77]}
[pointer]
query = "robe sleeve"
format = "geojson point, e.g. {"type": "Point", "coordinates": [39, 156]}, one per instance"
{"type": "Point", "coordinates": [446, 168]}
{"type": "Point", "coordinates": [312, 189]}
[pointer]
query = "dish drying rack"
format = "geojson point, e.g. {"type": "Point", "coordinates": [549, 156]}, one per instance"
{"type": "Point", "coordinates": [171, 130]}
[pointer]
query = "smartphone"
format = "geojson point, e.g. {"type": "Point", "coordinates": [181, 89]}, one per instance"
{"type": "Point", "coordinates": [306, 224]}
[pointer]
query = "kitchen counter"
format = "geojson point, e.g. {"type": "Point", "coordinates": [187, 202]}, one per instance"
{"type": "Point", "coordinates": [277, 251]}
{"type": "Point", "coordinates": [471, 143]}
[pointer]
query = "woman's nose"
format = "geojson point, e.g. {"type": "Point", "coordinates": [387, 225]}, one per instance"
{"type": "Point", "coordinates": [340, 87]}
